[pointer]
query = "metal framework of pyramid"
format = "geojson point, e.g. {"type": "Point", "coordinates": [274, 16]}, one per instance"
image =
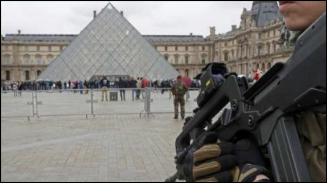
{"type": "Point", "coordinates": [109, 46]}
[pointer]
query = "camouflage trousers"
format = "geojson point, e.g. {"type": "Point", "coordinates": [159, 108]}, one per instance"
{"type": "Point", "coordinates": [312, 131]}
{"type": "Point", "coordinates": [179, 100]}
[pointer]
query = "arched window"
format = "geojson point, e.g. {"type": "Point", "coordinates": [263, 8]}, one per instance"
{"type": "Point", "coordinates": [260, 49]}
{"type": "Point", "coordinates": [38, 73]}
{"type": "Point", "coordinates": [263, 67]}
{"type": "Point", "coordinates": [186, 72]}
{"type": "Point", "coordinates": [176, 59]}
{"type": "Point", "coordinates": [27, 75]}
{"type": "Point", "coordinates": [269, 65]}
{"type": "Point", "coordinates": [259, 36]}
{"type": "Point", "coordinates": [49, 59]}
{"type": "Point", "coordinates": [26, 59]}
{"type": "Point", "coordinates": [186, 59]}
{"type": "Point", "coordinates": [232, 55]}
{"type": "Point", "coordinates": [8, 75]}
{"type": "Point", "coordinates": [6, 60]}
{"type": "Point", "coordinates": [166, 57]}
{"type": "Point", "coordinates": [204, 58]}
{"type": "Point", "coordinates": [226, 56]}
{"type": "Point", "coordinates": [38, 59]}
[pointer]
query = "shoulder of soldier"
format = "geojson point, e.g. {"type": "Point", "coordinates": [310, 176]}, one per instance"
{"type": "Point", "coordinates": [180, 83]}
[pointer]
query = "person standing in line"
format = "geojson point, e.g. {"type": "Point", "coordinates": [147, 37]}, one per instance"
{"type": "Point", "coordinates": [122, 85]}
{"type": "Point", "coordinates": [134, 90]}
{"type": "Point", "coordinates": [15, 88]}
{"type": "Point", "coordinates": [104, 83]}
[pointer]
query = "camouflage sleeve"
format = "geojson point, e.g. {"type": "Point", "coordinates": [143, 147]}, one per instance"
{"type": "Point", "coordinates": [173, 90]}
{"type": "Point", "coordinates": [312, 132]}
{"type": "Point", "coordinates": [185, 88]}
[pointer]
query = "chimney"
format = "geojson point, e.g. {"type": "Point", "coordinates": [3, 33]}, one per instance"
{"type": "Point", "coordinates": [122, 13]}
{"type": "Point", "coordinates": [19, 32]}
{"type": "Point", "coordinates": [233, 27]}
{"type": "Point", "coordinates": [212, 31]}
{"type": "Point", "coordinates": [191, 34]}
{"type": "Point", "coordinates": [94, 14]}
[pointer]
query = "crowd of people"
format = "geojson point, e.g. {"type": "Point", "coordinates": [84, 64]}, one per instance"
{"type": "Point", "coordinates": [92, 84]}
{"type": "Point", "coordinates": [135, 84]}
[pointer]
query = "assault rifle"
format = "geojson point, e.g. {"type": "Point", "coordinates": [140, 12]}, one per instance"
{"type": "Point", "coordinates": [266, 110]}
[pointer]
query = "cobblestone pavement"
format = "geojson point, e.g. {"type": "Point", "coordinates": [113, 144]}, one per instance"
{"type": "Point", "coordinates": [105, 148]}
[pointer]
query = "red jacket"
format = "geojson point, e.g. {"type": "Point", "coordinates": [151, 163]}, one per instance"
{"type": "Point", "coordinates": [257, 73]}
{"type": "Point", "coordinates": [145, 83]}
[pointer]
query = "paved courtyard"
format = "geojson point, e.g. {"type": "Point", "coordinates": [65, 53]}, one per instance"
{"type": "Point", "coordinates": [73, 148]}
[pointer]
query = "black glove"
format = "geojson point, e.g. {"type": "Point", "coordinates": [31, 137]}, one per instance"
{"type": "Point", "coordinates": [247, 151]}
{"type": "Point", "coordinates": [250, 172]}
{"type": "Point", "coordinates": [250, 160]}
{"type": "Point", "coordinates": [212, 162]}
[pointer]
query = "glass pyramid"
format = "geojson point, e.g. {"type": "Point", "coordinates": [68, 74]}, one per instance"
{"type": "Point", "coordinates": [108, 46]}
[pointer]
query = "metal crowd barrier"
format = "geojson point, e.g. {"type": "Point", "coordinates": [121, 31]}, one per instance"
{"type": "Point", "coordinates": [16, 103]}
{"type": "Point", "coordinates": [92, 102]}
{"type": "Point", "coordinates": [63, 102]}
{"type": "Point", "coordinates": [120, 101]}
{"type": "Point", "coordinates": [162, 101]}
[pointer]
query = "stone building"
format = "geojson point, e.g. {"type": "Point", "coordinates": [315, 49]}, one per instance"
{"type": "Point", "coordinates": [252, 44]}
{"type": "Point", "coordinates": [188, 53]}
{"type": "Point", "coordinates": [24, 57]}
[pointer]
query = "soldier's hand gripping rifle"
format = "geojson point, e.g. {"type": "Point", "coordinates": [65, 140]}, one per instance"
{"type": "Point", "coordinates": [266, 109]}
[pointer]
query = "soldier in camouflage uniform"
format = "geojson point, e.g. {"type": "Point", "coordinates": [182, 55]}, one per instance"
{"type": "Point", "coordinates": [312, 123]}
{"type": "Point", "coordinates": [179, 90]}
{"type": "Point", "coordinates": [298, 15]}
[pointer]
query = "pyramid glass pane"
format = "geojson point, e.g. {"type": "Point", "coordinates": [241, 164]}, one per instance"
{"type": "Point", "coordinates": [109, 45]}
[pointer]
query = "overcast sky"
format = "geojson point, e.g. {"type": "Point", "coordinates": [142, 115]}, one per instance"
{"type": "Point", "coordinates": [150, 18]}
